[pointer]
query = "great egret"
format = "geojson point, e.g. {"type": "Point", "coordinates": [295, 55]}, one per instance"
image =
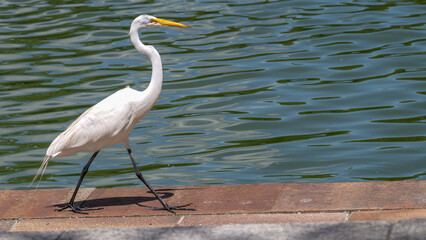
{"type": "Point", "coordinates": [111, 120]}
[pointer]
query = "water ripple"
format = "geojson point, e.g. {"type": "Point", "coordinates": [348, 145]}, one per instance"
{"type": "Point", "coordinates": [255, 91]}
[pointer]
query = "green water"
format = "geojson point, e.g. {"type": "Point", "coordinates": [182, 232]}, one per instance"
{"type": "Point", "coordinates": [254, 92]}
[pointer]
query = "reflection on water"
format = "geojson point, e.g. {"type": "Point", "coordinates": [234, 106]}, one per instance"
{"type": "Point", "coordinates": [254, 92]}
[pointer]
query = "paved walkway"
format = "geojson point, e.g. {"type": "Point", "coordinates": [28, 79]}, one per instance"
{"type": "Point", "coordinates": [413, 229]}
{"type": "Point", "coordinates": [335, 203]}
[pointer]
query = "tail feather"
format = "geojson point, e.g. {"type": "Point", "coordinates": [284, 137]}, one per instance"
{"type": "Point", "coordinates": [41, 170]}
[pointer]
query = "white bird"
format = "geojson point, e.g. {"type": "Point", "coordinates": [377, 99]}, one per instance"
{"type": "Point", "coordinates": [111, 120]}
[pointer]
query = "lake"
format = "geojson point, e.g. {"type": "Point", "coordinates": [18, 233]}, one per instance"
{"type": "Point", "coordinates": [254, 92]}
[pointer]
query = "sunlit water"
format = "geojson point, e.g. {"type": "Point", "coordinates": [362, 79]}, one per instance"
{"type": "Point", "coordinates": [254, 92]}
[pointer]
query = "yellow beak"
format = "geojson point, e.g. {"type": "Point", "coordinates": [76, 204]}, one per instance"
{"type": "Point", "coordinates": [168, 23]}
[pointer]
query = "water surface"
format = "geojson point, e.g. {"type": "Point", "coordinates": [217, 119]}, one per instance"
{"type": "Point", "coordinates": [254, 92]}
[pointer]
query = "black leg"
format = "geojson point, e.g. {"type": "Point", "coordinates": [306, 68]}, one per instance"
{"type": "Point", "coordinates": [165, 206]}
{"type": "Point", "coordinates": [79, 209]}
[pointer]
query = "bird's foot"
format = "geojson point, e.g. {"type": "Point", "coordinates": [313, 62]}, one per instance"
{"type": "Point", "coordinates": [171, 208]}
{"type": "Point", "coordinates": [77, 209]}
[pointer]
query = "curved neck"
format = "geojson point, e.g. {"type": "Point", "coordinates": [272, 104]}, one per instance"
{"type": "Point", "coordinates": [154, 57]}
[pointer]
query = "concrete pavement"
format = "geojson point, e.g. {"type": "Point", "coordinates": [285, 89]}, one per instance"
{"type": "Point", "coordinates": [414, 229]}
{"type": "Point", "coordinates": [252, 210]}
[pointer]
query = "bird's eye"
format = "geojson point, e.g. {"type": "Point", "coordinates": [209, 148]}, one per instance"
{"type": "Point", "coordinates": [152, 20]}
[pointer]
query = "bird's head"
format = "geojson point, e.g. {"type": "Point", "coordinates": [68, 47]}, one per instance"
{"type": "Point", "coordinates": [151, 21]}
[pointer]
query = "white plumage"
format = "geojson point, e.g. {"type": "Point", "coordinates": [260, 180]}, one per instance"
{"type": "Point", "coordinates": [105, 124]}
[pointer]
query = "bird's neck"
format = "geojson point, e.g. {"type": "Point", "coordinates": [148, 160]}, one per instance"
{"type": "Point", "coordinates": [157, 67]}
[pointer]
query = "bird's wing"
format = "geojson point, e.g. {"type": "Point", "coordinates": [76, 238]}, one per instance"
{"type": "Point", "coordinates": [104, 124]}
